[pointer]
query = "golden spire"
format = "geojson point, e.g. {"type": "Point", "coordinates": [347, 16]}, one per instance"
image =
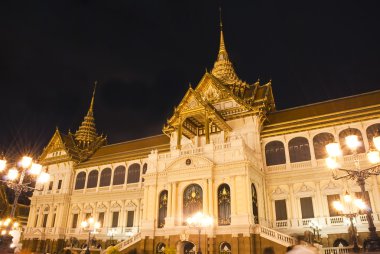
{"type": "Point", "coordinates": [86, 133]}
{"type": "Point", "coordinates": [222, 48]}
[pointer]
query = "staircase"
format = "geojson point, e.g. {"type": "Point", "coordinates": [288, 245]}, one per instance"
{"type": "Point", "coordinates": [275, 236]}
{"type": "Point", "coordinates": [130, 241]}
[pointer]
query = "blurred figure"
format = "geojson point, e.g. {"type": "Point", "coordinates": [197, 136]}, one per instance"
{"type": "Point", "coordinates": [301, 249]}
{"type": "Point", "coordinates": [268, 250]}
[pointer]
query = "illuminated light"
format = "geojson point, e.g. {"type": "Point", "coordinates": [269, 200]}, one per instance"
{"type": "Point", "coordinates": [1, 223]}
{"type": "Point", "coordinates": [16, 224]}
{"type": "Point", "coordinates": [43, 178]}
{"type": "Point", "coordinates": [373, 157]}
{"type": "Point", "coordinates": [84, 224]}
{"type": "Point", "coordinates": [97, 225]}
{"type": "Point", "coordinates": [360, 204]}
{"type": "Point", "coordinates": [12, 245]}
{"type": "Point", "coordinates": [376, 142]}
{"type": "Point", "coordinates": [332, 163]}
{"type": "Point", "coordinates": [3, 165]}
{"type": "Point", "coordinates": [3, 232]}
{"type": "Point", "coordinates": [333, 149]}
{"type": "Point", "coordinates": [12, 174]}
{"type": "Point", "coordinates": [26, 161]}
{"type": "Point", "coordinates": [338, 206]}
{"type": "Point", "coordinates": [35, 169]}
{"type": "Point", "coordinates": [352, 142]}
{"type": "Point", "coordinates": [347, 197]}
{"type": "Point", "coordinates": [7, 222]}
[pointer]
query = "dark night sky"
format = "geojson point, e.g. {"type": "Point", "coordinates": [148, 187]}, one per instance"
{"type": "Point", "coordinates": [144, 54]}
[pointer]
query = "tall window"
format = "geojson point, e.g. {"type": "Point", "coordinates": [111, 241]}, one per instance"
{"type": "Point", "coordinates": [36, 221]}
{"type": "Point", "coordinates": [80, 181]}
{"type": "Point", "coordinates": [74, 221]}
{"type": "Point", "coordinates": [51, 185]}
{"type": "Point", "coordinates": [225, 248]}
{"type": "Point", "coordinates": [162, 208]}
{"type": "Point", "coordinates": [105, 177]}
{"type": "Point", "coordinates": [59, 184]}
{"type": "Point", "coordinates": [307, 208]}
{"type": "Point", "coordinates": [115, 219]}
{"type": "Point", "coordinates": [371, 132]}
{"type": "Point", "coordinates": [119, 175]}
{"type": "Point", "coordinates": [133, 173]}
{"type": "Point", "coordinates": [130, 218]}
{"type": "Point", "coordinates": [101, 218]}
{"type": "Point", "coordinates": [275, 153]}
{"type": "Point", "coordinates": [53, 220]}
{"type": "Point", "coordinates": [255, 205]}
{"type": "Point", "coordinates": [299, 149]}
{"type": "Point", "coordinates": [330, 203]}
{"type": "Point", "coordinates": [44, 221]}
{"type": "Point", "coordinates": [92, 181]}
{"type": "Point", "coordinates": [319, 142]}
{"type": "Point", "coordinates": [192, 200]}
{"type": "Point", "coordinates": [280, 207]}
{"type": "Point", "coordinates": [343, 134]}
{"type": "Point", "coordinates": [145, 168]}
{"type": "Point", "coordinates": [224, 205]}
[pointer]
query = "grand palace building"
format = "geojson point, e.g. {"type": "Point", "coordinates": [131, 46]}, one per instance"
{"type": "Point", "coordinates": [225, 151]}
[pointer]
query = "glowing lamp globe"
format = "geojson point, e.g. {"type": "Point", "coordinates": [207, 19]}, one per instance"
{"type": "Point", "coordinates": [338, 206]}
{"type": "Point", "coordinates": [333, 149]}
{"type": "Point", "coordinates": [359, 203]}
{"type": "Point", "coordinates": [43, 178]}
{"type": "Point", "coordinates": [347, 197]}
{"type": "Point", "coordinates": [376, 142]}
{"type": "Point", "coordinates": [3, 164]}
{"type": "Point", "coordinates": [35, 169]}
{"type": "Point", "coordinates": [373, 157]}
{"type": "Point", "coordinates": [26, 161]}
{"type": "Point", "coordinates": [332, 163]}
{"type": "Point", "coordinates": [84, 224]}
{"type": "Point", "coordinates": [12, 174]}
{"type": "Point", "coordinates": [352, 142]}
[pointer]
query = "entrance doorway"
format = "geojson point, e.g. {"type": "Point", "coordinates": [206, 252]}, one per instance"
{"type": "Point", "coordinates": [186, 247]}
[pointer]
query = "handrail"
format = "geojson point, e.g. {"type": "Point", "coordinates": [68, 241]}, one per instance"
{"type": "Point", "coordinates": [276, 236]}
{"type": "Point", "coordinates": [124, 244]}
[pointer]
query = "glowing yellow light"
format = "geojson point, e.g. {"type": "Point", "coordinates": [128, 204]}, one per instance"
{"type": "Point", "coordinates": [7, 222]}
{"type": "Point", "coordinates": [338, 206]}
{"type": "Point", "coordinates": [332, 163]}
{"type": "Point", "coordinates": [347, 197]}
{"type": "Point", "coordinates": [12, 174]}
{"type": "Point", "coordinates": [3, 232]}
{"type": "Point", "coordinates": [35, 169]}
{"type": "Point", "coordinates": [16, 224]}
{"type": "Point", "coordinates": [91, 220]}
{"type": "Point", "coordinates": [43, 178]}
{"type": "Point", "coordinates": [3, 165]}
{"type": "Point", "coordinates": [26, 161]}
{"type": "Point", "coordinates": [333, 149]}
{"type": "Point", "coordinates": [84, 224]}
{"type": "Point", "coordinates": [373, 157]}
{"type": "Point", "coordinates": [352, 142]}
{"type": "Point", "coordinates": [359, 203]}
{"type": "Point", "coordinates": [97, 225]}
{"type": "Point", "coordinates": [376, 142]}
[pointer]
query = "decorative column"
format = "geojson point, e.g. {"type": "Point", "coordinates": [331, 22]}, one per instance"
{"type": "Point", "coordinates": [210, 199]}
{"type": "Point", "coordinates": [179, 134]}
{"type": "Point", "coordinates": [233, 196]}
{"type": "Point", "coordinates": [312, 153]}
{"type": "Point", "coordinates": [205, 196]}
{"type": "Point", "coordinates": [287, 157]}
{"type": "Point", "coordinates": [376, 194]}
{"type": "Point", "coordinates": [207, 128]}
{"type": "Point", "coordinates": [169, 205]}
{"type": "Point", "coordinates": [145, 210]}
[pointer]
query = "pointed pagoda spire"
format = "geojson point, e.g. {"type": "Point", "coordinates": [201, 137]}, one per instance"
{"type": "Point", "coordinates": [86, 133]}
{"type": "Point", "coordinates": [223, 68]}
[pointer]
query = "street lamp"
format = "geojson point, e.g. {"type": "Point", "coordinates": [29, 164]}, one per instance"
{"type": "Point", "coordinates": [91, 226]}
{"type": "Point", "coordinates": [316, 229]}
{"type": "Point", "coordinates": [111, 232]}
{"type": "Point", "coordinates": [199, 221]}
{"type": "Point", "coordinates": [359, 174]}
{"type": "Point", "coordinates": [350, 215]}
{"type": "Point", "coordinates": [19, 171]}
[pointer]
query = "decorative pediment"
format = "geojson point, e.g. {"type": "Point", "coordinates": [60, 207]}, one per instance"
{"type": "Point", "coordinates": [75, 209]}
{"type": "Point", "coordinates": [115, 206]}
{"type": "Point", "coordinates": [190, 162]}
{"type": "Point", "coordinates": [88, 209]}
{"type": "Point", "coordinates": [101, 208]}
{"type": "Point", "coordinates": [279, 192]}
{"type": "Point", "coordinates": [304, 190]}
{"type": "Point", "coordinates": [56, 144]}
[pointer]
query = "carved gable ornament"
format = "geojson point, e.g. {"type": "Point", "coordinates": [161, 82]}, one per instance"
{"type": "Point", "coordinates": [304, 190]}
{"type": "Point", "coordinates": [75, 209]}
{"type": "Point", "coordinates": [279, 193]}
{"type": "Point", "coordinates": [115, 207]}
{"type": "Point", "coordinates": [187, 162]}
{"type": "Point", "coordinates": [88, 209]}
{"type": "Point", "coordinates": [101, 208]}
{"type": "Point", "coordinates": [130, 206]}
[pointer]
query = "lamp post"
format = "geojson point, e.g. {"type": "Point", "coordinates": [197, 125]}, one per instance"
{"type": "Point", "coordinates": [91, 225]}
{"type": "Point", "coordinates": [18, 172]}
{"type": "Point", "coordinates": [350, 215]}
{"type": "Point", "coordinates": [359, 174]}
{"type": "Point", "coordinates": [199, 221]}
{"type": "Point", "coordinates": [316, 229]}
{"type": "Point", "coordinates": [111, 232]}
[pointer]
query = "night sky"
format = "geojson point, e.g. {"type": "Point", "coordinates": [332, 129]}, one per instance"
{"type": "Point", "coordinates": [145, 53]}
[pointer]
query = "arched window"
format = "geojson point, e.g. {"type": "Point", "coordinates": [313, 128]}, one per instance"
{"type": "Point", "coordinates": [224, 205]}
{"type": "Point", "coordinates": [105, 177]}
{"type": "Point", "coordinates": [192, 200]}
{"type": "Point", "coordinates": [342, 141]}
{"type": "Point", "coordinates": [319, 142]}
{"type": "Point", "coordinates": [225, 248]}
{"type": "Point", "coordinates": [119, 175]}
{"type": "Point", "coordinates": [299, 149]}
{"type": "Point", "coordinates": [92, 181]}
{"type": "Point", "coordinates": [133, 173]}
{"type": "Point", "coordinates": [372, 131]}
{"type": "Point", "coordinates": [162, 208]}
{"type": "Point", "coordinates": [275, 153]}
{"type": "Point", "coordinates": [145, 168]}
{"type": "Point", "coordinates": [80, 181]}
{"type": "Point", "coordinates": [160, 249]}
{"type": "Point", "coordinates": [255, 205]}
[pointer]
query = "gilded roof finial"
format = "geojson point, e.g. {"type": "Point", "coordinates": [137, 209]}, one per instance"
{"type": "Point", "coordinates": [222, 48]}
{"type": "Point", "coordinates": [93, 97]}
